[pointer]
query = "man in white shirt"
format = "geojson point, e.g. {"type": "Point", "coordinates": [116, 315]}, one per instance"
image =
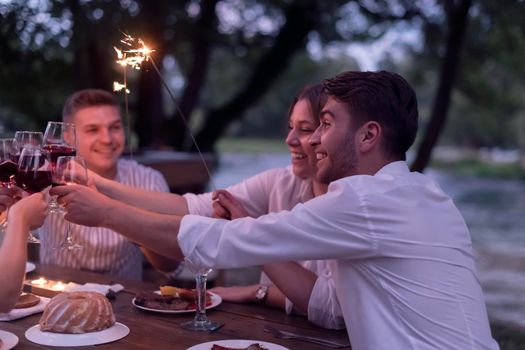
{"type": "Point", "coordinates": [402, 258]}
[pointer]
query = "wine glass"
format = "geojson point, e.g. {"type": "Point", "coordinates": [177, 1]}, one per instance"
{"type": "Point", "coordinates": [23, 138]}
{"type": "Point", "coordinates": [8, 169]}
{"type": "Point", "coordinates": [33, 174]}
{"type": "Point", "coordinates": [59, 140]}
{"type": "Point", "coordinates": [200, 322]}
{"type": "Point", "coordinates": [69, 169]}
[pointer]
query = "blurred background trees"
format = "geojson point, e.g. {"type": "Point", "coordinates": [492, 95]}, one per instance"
{"type": "Point", "coordinates": [235, 65]}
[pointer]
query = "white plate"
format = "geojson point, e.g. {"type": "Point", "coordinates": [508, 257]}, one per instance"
{"type": "Point", "coordinates": [30, 266]}
{"type": "Point", "coordinates": [237, 343]}
{"type": "Point", "coordinates": [215, 300]}
{"type": "Point", "coordinates": [116, 332]}
{"type": "Point", "coordinates": [10, 340]}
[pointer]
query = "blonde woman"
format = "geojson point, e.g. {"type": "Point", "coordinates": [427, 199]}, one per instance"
{"type": "Point", "coordinates": [24, 215]}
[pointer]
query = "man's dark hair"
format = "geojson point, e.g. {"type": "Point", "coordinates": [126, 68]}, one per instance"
{"type": "Point", "coordinates": [384, 97]}
{"type": "Point", "coordinates": [87, 98]}
{"type": "Point", "coordinates": [314, 95]}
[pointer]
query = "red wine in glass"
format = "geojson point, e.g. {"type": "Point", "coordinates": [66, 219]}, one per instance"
{"type": "Point", "coordinates": [53, 151]}
{"type": "Point", "coordinates": [33, 181]}
{"type": "Point", "coordinates": [7, 170]}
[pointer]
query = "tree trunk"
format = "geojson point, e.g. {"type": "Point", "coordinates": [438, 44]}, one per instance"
{"type": "Point", "coordinates": [79, 43]}
{"type": "Point", "coordinates": [457, 16]}
{"type": "Point", "coordinates": [89, 69]}
{"type": "Point", "coordinates": [202, 47]}
{"type": "Point", "coordinates": [150, 113]}
{"type": "Point", "coordinates": [301, 18]}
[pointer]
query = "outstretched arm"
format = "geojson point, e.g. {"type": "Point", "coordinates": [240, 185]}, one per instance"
{"type": "Point", "coordinates": [85, 206]}
{"type": "Point", "coordinates": [246, 294]}
{"type": "Point", "coordinates": [160, 202]}
{"type": "Point", "coordinates": [28, 213]}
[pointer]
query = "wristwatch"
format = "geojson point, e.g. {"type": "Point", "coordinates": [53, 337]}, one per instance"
{"type": "Point", "coordinates": [261, 294]}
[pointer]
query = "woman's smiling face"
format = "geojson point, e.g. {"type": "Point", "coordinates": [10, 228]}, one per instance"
{"type": "Point", "coordinates": [302, 124]}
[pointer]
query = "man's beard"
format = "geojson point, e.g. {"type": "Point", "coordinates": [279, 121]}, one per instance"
{"type": "Point", "coordinates": [342, 164]}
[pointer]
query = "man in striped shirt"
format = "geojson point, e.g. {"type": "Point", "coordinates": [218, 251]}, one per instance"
{"type": "Point", "coordinates": [101, 141]}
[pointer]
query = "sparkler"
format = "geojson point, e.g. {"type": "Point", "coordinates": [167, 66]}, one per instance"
{"type": "Point", "coordinates": [120, 87]}
{"type": "Point", "coordinates": [133, 55]}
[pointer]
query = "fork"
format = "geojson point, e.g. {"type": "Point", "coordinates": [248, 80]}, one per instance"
{"type": "Point", "coordinates": [289, 335]}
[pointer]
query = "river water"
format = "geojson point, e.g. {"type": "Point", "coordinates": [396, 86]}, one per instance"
{"type": "Point", "coordinates": [493, 209]}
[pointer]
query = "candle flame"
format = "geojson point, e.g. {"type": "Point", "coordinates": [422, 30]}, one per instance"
{"type": "Point", "coordinates": [59, 286]}
{"type": "Point", "coordinates": [40, 281]}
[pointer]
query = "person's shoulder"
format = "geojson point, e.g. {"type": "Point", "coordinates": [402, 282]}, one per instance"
{"type": "Point", "coordinates": [131, 168]}
{"type": "Point", "coordinates": [278, 173]}
{"type": "Point", "coordinates": [134, 166]}
{"type": "Point", "coordinates": [283, 176]}
{"type": "Point", "coordinates": [391, 176]}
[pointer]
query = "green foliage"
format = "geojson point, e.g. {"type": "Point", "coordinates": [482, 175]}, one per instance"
{"type": "Point", "coordinates": [268, 118]}
{"type": "Point", "coordinates": [41, 64]}
{"type": "Point", "coordinates": [487, 104]}
{"type": "Point", "coordinates": [475, 167]}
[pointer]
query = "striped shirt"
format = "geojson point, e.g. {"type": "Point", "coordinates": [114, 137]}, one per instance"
{"type": "Point", "coordinates": [104, 250]}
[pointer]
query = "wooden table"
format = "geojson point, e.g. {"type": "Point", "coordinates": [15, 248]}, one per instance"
{"type": "Point", "coordinates": [150, 330]}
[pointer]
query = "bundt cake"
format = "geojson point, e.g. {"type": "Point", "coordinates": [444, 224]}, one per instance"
{"type": "Point", "coordinates": [77, 312]}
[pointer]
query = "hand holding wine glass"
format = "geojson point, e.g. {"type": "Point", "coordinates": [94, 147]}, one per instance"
{"type": "Point", "coordinates": [59, 140]}
{"type": "Point", "coordinates": [33, 174]}
{"type": "Point", "coordinates": [69, 169]}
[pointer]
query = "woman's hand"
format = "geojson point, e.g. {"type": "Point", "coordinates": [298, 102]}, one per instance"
{"type": "Point", "coordinates": [225, 206]}
{"type": "Point", "coordinates": [8, 196]}
{"type": "Point", "coordinates": [31, 210]}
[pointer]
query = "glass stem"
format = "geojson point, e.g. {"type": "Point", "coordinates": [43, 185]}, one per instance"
{"type": "Point", "coordinates": [200, 316]}
{"type": "Point", "coordinates": [68, 241]}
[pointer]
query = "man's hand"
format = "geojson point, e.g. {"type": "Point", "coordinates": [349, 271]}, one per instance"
{"type": "Point", "coordinates": [83, 205]}
{"type": "Point", "coordinates": [225, 206]}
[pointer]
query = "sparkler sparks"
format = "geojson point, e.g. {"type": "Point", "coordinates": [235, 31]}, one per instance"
{"type": "Point", "coordinates": [135, 53]}
{"type": "Point", "coordinates": [120, 87]}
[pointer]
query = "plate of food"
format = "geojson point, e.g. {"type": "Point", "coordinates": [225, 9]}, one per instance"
{"type": "Point", "coordinates": [173, 300]}
{"type": "Point", "coordinates": [237, 344]}
{"type": "Point", "coordinates": [113, 333]}
{"type": "Point", "coordinates": [30, 266]}
{"type": "Point", "coordinates": [7, 340]}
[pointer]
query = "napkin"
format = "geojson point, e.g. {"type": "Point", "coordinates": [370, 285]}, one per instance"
{"type": "Point", "coordinates": [28, 311]}
{"type": "Point", "coordinates": [93, 287]}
